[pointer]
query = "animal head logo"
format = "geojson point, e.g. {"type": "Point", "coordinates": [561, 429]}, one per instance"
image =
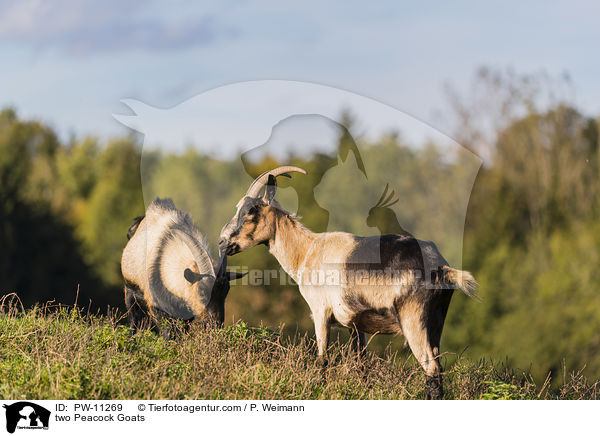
{"type": "Point", "coordinates": [264, 124]}
{"type": "Point", "coordinates": [26, 415]}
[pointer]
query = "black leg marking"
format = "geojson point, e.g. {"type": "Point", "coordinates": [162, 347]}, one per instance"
{"type": "Point", "coordinates": [434, 388]}
{"type": "Point", "coordinates": [137, 310]}
{"type": "Point", "coordinates": [358, 341]}
{"type": "Point", "coordinates": [438, 308]}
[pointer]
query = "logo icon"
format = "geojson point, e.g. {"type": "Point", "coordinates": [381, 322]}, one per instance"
{"type": "Point", "coordinates": [26, 415]}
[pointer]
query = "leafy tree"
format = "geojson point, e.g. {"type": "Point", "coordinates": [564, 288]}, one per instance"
{"type": "Point", "coordinates": [113, 201]}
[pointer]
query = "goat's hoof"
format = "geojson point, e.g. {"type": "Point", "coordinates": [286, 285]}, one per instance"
{"type": "Point", "coordinates": [322, 362]}
{"type": "Point", "coordinates": [434, 389]}
{"type": "Point", "coordinates": [322, 367]}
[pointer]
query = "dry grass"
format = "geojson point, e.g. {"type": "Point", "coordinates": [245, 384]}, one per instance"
{"type": "Point", "coordinates": [60, 353]}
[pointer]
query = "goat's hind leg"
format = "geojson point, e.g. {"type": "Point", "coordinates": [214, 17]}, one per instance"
{"type": "Point", "coordinates": [426, 353]}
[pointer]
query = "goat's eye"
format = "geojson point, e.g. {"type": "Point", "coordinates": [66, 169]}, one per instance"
{"type": "Point", "coordinates": [253, 210]}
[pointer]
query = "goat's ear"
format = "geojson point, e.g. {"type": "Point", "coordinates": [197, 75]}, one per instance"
{"type": "Point", "coordinates": [193, 277]}
{"type": "Point", "coordinates": [271, 188]}
{"type": "Point", "coordinates": [235, 275]}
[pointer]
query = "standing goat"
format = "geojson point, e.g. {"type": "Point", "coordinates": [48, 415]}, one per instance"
{"type": "Point", "coordinates": [414, 300]}
{"type": "Point", "coordinates": [168, 272]}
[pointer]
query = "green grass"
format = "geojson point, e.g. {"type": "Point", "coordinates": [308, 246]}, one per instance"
{"type": "Point", "coordinates": [60, 353]}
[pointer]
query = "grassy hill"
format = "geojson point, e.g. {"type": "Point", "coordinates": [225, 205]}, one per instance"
{"type": "Point", "coordinates": [62, 353]}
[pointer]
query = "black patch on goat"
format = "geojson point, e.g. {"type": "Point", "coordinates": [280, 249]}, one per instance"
{"type": "Point", "coordinates": [435, 315]}
{"type": "Point", "coordinates": [398, 253]}
{"type": "Point", "coordinates": [138, 314]}
{"type": "Point", "coordinates": [254, 219]}
{"type": "Point", "coordinates": [246, 208]}
{"type": "Point", "coordinates": [169, 303]}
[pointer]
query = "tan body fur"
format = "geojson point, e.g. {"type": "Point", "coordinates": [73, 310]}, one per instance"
{"type": "Point", "coordinates": [326, 252]}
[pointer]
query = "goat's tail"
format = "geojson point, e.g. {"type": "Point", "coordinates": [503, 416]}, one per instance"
{"type": "Point", "coordinates": [463, 280]}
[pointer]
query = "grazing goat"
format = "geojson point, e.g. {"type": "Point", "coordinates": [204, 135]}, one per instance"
{"type": "Point", "coordinates": [411, 298]}
{"type": "Point", "coordinates": [168, 272]}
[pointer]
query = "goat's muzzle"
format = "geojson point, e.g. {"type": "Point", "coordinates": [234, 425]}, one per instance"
{"type": "Point", "coordinates": [215, 319]}
{"type": "Point", "coordinates": [228, 247]}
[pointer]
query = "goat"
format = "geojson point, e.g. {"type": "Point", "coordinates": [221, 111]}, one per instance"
{"type": "Point", "coordinates": [168, 272]}
{"type": "Point", "coordinates": [414, 302]}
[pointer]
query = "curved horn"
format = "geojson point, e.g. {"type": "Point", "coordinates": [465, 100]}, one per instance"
{"type": "Point", "coordinates": [261, 180]}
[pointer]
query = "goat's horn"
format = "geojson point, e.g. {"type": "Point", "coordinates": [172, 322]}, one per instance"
{"type": "Point", "coordinates": [261, 180]}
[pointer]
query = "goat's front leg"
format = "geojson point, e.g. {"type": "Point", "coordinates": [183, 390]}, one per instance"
{"type": "Point", "coordinates": [137, 310]}
{"type": "Point", "coordinates": [322, 326]}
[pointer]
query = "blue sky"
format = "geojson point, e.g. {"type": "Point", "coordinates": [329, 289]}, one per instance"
{"type": "Point", "coordinates": [69, 63]}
